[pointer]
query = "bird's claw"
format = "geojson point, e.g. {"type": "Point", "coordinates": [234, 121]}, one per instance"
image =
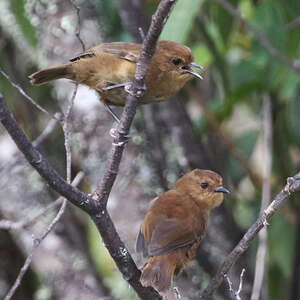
{"type": "Point", "coordinates": [114, 133]}
{"type": "Point", "coordinates": [265, 223]}
{"type": "Point", "coordinates": [115, 86]}
{"type": "Point", "coordinates": [136, 93]}
{"type": "Point", "coordinates": [289, 185]}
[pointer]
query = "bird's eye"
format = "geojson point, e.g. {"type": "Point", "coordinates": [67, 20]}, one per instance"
{"type": "Point", "coordinates": [204, 185]}
{"type": "Point", "coordinates": [176, 61]}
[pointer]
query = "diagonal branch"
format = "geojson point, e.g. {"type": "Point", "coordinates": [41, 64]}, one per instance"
{"type": "Point", "coordinates": [40, 163]}
{"type": "Point", "coordinates": [37, 242]}
{"type": "Point", "coordinates": [96, 206]}
{"type": "Point", "coordinates": [293, 185]}
{"type": "Point", "coordinates": [136, 91]}
{"type": "Point", "coordinates": [27, 97]}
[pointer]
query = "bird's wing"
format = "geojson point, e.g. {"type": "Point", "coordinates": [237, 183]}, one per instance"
{"type": "Point", "coordinates": [166, 229]}
{"type": "Point", "coordinates": [127, 51]}
{"type": "Point", "coordinates": [170, 234]}
{"type": "Point", "coordinates": [141, 245]}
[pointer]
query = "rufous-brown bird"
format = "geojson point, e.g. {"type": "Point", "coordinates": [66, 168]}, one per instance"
{"type": "Point", "coordinates": [108, 67]}
{"type": "Point", "coordinates": [175, 225]}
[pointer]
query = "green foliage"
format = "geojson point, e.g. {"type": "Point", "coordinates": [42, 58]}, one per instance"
{"type": "Point", "coordinates": [293, 112]}
{"type": "Point", "coordinates": [282, 253]}
{"type": "Point", "coordinates": [110, 13]}
{"type": "Point", "coordinates": [202, 55]}
{"type": "Point", "coordinates": [245, 143]}
{"type": "Point", "coordinates": [222, 20]}
{"type": "Point", "coordinates": [181, 20]}
{"type": "Point", "coordinates": [18, 8]}
{"type": "Point", "coordinates": [239, 72]}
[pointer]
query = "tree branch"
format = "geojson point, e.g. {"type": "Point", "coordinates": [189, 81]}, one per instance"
{"type": "Point", "coordinates": [41, 164]}
{"type": "Point", "coordinates": [261, 254]}
{"type": "Point", "coordinates": [37, 242]}
{"type": "Point", "coordinates": [136, 91]}
{"type": "Point", "coordinates": [9, 225]}
{"type": "Point", "coordinates": [22, 92]}
{"type": "Point", "coordinates": [236, 293]}
{"type": "Point", "coordinates": [96, 206]}
{"type": "Point", "coordinates": [98, 212]}
{"type": "Point", "coordinates": [293, 185]}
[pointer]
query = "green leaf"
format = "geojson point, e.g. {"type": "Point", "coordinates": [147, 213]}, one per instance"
{"type": "Point", "coordinates": [245, 144]}
{"type": "Point", "coordinates": [290, 86]}
{"type": "Point", "coordinates": [293, 114]}
{"type": "Point", "coordinates": [223, 19]}
{"type": "Point", "coordinates": [290, 8]}
{"type": "Point", "coordinates": [18, 8]}
{"type": "Point", "coordinates": [269, 19]}
{"type": "Point", "coordinates": [202, 55]}
{"type": "Point", "coordinates": [110, 12]}
{"type": "Point", "coordinates": [181, 21]}
{"type": "Point", "coordinates": [244, 72]}
{"type": "Point", "coordinates": [281, 242]}
{"type": "Point", "coordinates": [276, 289]}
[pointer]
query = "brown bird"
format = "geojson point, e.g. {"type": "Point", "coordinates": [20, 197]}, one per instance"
{"type": "Point", "coordinates": [108, 68]}
{"type": "Point", "coordinates": [175, 225]}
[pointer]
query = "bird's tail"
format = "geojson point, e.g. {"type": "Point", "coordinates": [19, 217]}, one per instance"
{"type": "Point", "coordinates": [159, 272]}
{"type": "Point", "coordinates": [45, 75]}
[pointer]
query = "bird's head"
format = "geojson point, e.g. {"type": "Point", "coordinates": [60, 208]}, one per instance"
{"type": "Point", "coordinates": [204, 186]}
{"type": "Point", "coordinates": [177, 59]}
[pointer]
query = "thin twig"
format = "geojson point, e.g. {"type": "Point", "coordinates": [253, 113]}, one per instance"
{"type": "Point", "coordinates": [236, 294]}
{"type": "Point", "coordinates": [97, 208]}
{"type": "Point", "coordinates": [142, 33]}
{"type": "Point", "coordinates": [22, 92]}
{"type": "Point", "coordinates": [135, 92]}
{"type": "Point", "coordinates": [8, 225]}
{"type": "Point", "coordinates": [293, 24]}
{"type": "Point", "coordinates": [66, 130]}
{"type": "Point", "coordinates": [266, 197]}
{"type": "Point", "coordinates": [260, 37]}
{"type": "Point", "coordinates": [227, 141]}
{"type": "Point", "coordinates": [36, 244]}
{"type": "Point", "coordinates": [293, 185]}
{"type": "Point", "coordinates": [133, 16]}
{"type": "Point", "coordinates": [48, 130]}
{"type": "Point", "coordinates": [77, 33]}
{"type": "Point", "coordinates": [18, 155]}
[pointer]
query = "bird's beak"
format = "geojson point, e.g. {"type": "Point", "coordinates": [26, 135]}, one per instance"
{"type": "Point", "coordinates": [193, 64]}
{"type": "Point", "coordinates": [192, 71]}
{"type": "Point", "coordinates": [221, 189]}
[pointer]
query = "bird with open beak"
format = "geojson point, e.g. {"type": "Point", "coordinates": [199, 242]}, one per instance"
{"type": "Point", "coordinates": [109, 67]}
{"type": "Point", "coordinates": [175, 225]}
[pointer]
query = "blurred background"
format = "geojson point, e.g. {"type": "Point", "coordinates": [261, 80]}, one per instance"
{"type": "Point", "coordinates": [242, 121]}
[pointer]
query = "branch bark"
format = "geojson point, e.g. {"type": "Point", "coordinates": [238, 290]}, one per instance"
{"type": "Point", "coordinates": [293, 185]}
{"type": "Point", "coordinates": [136, 91]}
{"type": "Point", "coordinates": [96, 206]}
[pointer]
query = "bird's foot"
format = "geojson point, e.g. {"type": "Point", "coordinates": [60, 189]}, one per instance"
{"type": "Point", "coordinates": [116, 86]}
{"type": "Point", "coordinates": [111, 112]}
{"type": "Point", "coordinates": [123, 137]}
{"type": "Point", "coordinates": [139, 92]}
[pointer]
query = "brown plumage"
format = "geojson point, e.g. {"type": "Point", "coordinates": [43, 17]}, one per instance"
{"type": "Point", "coordinates": [175, 225]}
{"type": "Point", "coordinates": [115, 63]}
